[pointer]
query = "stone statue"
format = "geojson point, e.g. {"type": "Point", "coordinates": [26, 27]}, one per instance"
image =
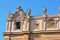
{"type": "Point", "coordinates": [29, 11]}
{"type": "Point", "coordinates": [59, 10]}
{"type": "Point", "coordinates": [19, 8]}
{"type": "Point", "coordinates": [9, 14]}
{"type": "Point", "coordinates": [44, 11]}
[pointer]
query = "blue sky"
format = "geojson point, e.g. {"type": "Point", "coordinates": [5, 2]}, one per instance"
{"type": "Point", "coordinates": [36, 7]}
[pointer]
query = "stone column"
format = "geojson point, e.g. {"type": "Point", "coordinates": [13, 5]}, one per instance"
{"type": "Point", "coordinates": [13, 26]}
{"type": "Point", "coordinates": [7, 26]}
{"type": "Point", "coordinates": [44, 27]}
{"type": "Point", "coordinates": [10, 26]}
{"type": "Point", "coordinates": [27, 26]}
{"type": "Point", "coordinates": [59, 24]}
{"type": "Point", "coordinates": [21, 29]}
{"type": "Point", "coordinates": [40, 25]}
{"type": "Point", "coordinates": [24, 26]}
{"type": "Point", "coordinates": [28, 23]}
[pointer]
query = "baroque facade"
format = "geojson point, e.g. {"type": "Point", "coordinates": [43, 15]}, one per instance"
{"type": "Point", "coordinates": [20, 26]}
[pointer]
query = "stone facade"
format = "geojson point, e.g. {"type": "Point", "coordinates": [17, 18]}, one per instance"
{"type": "Point", "coordinates": [20, 26]}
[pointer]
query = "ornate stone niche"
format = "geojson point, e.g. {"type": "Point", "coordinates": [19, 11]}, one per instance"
{"type": "Point", "coordinates": [50, 23]}
{"type": "Point", "coordinates": [36, 25]}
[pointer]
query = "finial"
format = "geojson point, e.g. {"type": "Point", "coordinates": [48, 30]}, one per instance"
{"type": "Point", "coordinates": [9, 13]}
{"type": "Point", "coordinates": [59, 10]}
{"type": "Point", "coordinates": [29, 11]}
{"type": "Point", "coordinates": [44, 11]}
{"type": "Point", "coordinates": [19, 8]}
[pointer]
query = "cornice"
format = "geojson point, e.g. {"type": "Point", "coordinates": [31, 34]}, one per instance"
{"type": "Point", "coordinates": [34, 32]}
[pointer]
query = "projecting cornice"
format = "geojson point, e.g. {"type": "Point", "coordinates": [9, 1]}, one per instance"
{"type": "Point", "coordinates": [34, 32]}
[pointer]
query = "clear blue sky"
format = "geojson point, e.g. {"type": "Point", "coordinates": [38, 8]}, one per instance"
{"type": "Point", "coordinates": [36, 7]}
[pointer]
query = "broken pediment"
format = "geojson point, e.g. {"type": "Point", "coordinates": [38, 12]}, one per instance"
{"type": "Point", "coordinates": [19, 14]}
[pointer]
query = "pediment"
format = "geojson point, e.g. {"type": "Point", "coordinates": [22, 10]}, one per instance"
{"type": "Point", "coordinates": [20, 15]}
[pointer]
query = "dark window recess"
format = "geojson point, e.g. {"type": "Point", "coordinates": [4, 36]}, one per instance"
{"type": "Point", "coordinates": [18, 24]}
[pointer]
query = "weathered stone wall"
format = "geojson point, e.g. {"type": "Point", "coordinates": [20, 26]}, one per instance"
{"type": "Point", "coordinates": [16, 37]}
{"type": "Point", "coordinates": [45, 37]}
